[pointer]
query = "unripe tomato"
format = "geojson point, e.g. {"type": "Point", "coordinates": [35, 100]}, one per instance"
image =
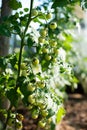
{"type": "Point", "coordinates": [43, 32]}
{"type": "Point", "coordinates": [48, 57]}
{"type": "Point", "coordinates": [41, 84]}
{"type": "Point", "coordinates": [53, 25]}
{"type": "Point", "coordinates": [41, 40]}
{"type": "Point", "coordinates": [54, 60]}
{"type": "Point", "coordinates": [49, 120]}
{"type": "Point", "coordinates": [44, 113]}
{"type": "Point", "coordinates": [31, 99]}
{"type": "Point", "coordinates": [45, 50]}
{"type": "Point", "coordinates": [23, 66]}
{"type": "Point", "coordinates": [49, 15]}
{"type": "Point", "coordinates": [41, 105]}
{"type": "Point", "coordinates": [34, 12]}
{"type": "Point", "coordinates": [53, 43]}
{"type": "Point", "coordinates": [11, 121]}
{"type": "Point", "coordinates": [30, 107]}
{"type": "Point", "coordinates": [35, 114]}
{"type": "Point", "coordinates": [30, 87]}
{"type": "Point", "coordinates": [20, 117]}
{"type": "Point", "coordinates": [35, 61]}
{"type": "Point", "coordinates": [19, 125]}
{"type": "Point", "coordinates": [55, 50]}
{"type": "Point", "coordinates": [41, 123]}
{"type": "Point", "coordinates": [47, 128]}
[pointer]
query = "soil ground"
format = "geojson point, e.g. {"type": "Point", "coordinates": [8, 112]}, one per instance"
{"type": "Point", "coordinates": [76, 115]}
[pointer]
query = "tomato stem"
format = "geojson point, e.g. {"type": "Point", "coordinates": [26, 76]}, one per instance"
{"type": "Point", "coordinates": [22, 42]}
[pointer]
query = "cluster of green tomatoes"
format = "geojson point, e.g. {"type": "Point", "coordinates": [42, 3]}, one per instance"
{"type": "Point", "coordinates": [15, 121]}
{"type": "Point", "coordinates": [36, 87]}
{"type": "Point", "coordinates": [36, 100]}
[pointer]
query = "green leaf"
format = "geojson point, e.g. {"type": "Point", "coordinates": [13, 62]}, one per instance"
{"type": "Point", "coordinates": [14, 4]}
{"type": "Point", "coordinates": [2, 80]}
{"type": "Point", "coordinates": [60, 114]}
{"type": "Point", "coordinates": [51, 112]}
{"type": "Point", "coordinates": [42, 16]}
{"type": "Point", "coordinates": [13, 59]}
{"type": "Point", "coordinates": [4, 30]}
{"type": "Point", "coordinates": [53, 126]}
{"type": "Point", "coordinates": [3, 62]}
{"type": "Point", "coordinates": [26, 9]}
{"type": "Point", "coordinates": [62, 69]}
{"type": "Point", "coordinates": [13, 96]}
{"type": "Point", "coordinates": [63, 3]}
{"type": "Point", "coordinates": [30, 42]}
{"type": "Point", "coordinates": [59, 3]}
{"type": "Point", "coordinates": [23, 20]}
{"type": "Point", "coordinates": [24, 92]}
{"type": "Point", "coordinates": [11, 82]}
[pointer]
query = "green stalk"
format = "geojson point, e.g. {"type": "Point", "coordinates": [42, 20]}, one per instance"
{"type": "Point", "coordinates": [22, 42]}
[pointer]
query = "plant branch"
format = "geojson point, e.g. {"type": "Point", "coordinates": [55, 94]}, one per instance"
{"type": "Point", "coordinates": [29, 19]}
{"type": "Point", "coordinates": [22, 41]}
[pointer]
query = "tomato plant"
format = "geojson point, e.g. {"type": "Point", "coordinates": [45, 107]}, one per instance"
{"type": "Point", "coordinates": [38, 78]}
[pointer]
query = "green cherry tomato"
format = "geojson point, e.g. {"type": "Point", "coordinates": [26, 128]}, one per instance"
{"type": "Point", "coordinates": [54, 60]}
{"type": "Point", "coordinates": [34, 12]}
{"type": "Point", "coordinates": [45, 50]}
{"type": "Point", "coordinates": [30, 87]}
{"type": "Point", "coordinates": [43, 32]}
{"type": "Point", "coordinates": [49, 15]}
{"type": "Point", "coordinates": [41, 105]}
{"type": "Point", "coordinates": [35, 114]}
{"type": "Point", "coordinates": [49, 120]}
{"type": "Point", "coordinates": [23, 66]}
{"type": "Point", "coordinates": [53, 43]}
{"type": "Point", "coordinates": [30, 107]}
{"type": "Point", "coordinates": [41, 40]}
{"type": "Point", "coordinates": [44, 113]}
{"type": "Point", "coordinates": [35, 61]}
{"type": "Point", "coordinates": [41, 123]}
{"type": "Point", "coordinates": [11, 121]}
{"type": "Point", "coordinates": [48, 57]}
{"type": "Point", "coordinates": [41, 84]}
{"type": "Point", "coordinates": [53, 25]}
{"type": "Point", "coordinates": [55, 50]}
{"type": "Point", "coordinates": [19, 125]}
{"type": "Point", "coordinates": [31, 99]}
